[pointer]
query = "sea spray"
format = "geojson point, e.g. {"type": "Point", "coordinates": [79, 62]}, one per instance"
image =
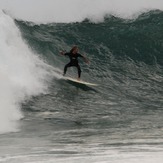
{"type": "Point", "coordinates": [22, 74]}
{"type": "Point", "coordinates": [76, 10]}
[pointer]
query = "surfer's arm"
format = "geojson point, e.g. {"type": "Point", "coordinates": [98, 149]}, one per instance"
{"type": "Point", "coordinates": [86, 60]}
{"type": "Point", "coordinates": [63, 53]}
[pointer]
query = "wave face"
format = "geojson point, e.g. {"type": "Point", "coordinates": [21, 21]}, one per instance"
{"type": "Point", "coordinates": [126, 55]}
{"type": "Point", "coordinates": [139, 40]}
{"type": "Point", "coordinates": [22, 74]}
{"type": "Point", "coordinates": [126, 61]}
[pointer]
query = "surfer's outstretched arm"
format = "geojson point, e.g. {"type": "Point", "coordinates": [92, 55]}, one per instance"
{"type": "Point", "coordinates": [86, 60]}
{"type": "Point", "coordinates": [62, 52]}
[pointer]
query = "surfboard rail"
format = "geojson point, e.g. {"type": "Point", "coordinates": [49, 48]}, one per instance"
{"type": "Point", "coordinates": [79, 81]}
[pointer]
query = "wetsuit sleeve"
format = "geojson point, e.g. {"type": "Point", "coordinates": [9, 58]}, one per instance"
{"type": "Point", "coordinates": [85, 59]}
{"type": "Point", "coordinates": [79, 55]}
{"type": "Point", "coordinates": [67, 54]}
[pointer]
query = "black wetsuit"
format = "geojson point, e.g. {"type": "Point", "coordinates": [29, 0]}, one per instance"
{"type": "Point", "coordinates": [73, 62]}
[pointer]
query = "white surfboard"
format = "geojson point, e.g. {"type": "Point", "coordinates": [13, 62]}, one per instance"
{"type": "Point", "coordinates": [80, 81]}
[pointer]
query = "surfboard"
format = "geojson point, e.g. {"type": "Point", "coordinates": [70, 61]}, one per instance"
{"type": "Point", "coordinates": [80, 81]}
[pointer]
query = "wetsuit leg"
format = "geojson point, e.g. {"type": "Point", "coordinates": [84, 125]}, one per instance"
{"type": "Point", "coordinates": [65, 68]}
{"type": "Point", "coordinates": [72, 64]}
{"type": "Point", "coordinates": [79, 71]}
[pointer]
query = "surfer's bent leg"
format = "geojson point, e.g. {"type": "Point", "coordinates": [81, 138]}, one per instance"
{"type": "Point", "coordinates": [79, 71]}
{"type": "Point", "coordinates": [65, 68]}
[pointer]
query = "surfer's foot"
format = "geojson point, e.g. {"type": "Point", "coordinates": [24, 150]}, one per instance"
{"type": "Point", "coordinates": [78, 79]}
{"type": "Point", "coordinates": [63, 74]}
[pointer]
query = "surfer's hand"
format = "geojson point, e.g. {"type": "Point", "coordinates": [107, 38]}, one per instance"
{"type": "Point", "coordinates": [87, 61]}
{"type": "Point", "coordinates": [62, 52]}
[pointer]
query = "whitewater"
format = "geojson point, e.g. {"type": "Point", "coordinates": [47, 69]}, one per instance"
{"type": "Point", "coordinates": [44, 118]}
{"type": "Point", "coordinates": [22, 73]}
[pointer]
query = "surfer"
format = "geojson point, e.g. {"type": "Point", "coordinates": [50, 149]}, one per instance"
{"type": "Point", "coordinates": [73, 55]}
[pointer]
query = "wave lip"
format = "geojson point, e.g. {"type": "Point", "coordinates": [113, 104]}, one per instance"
{"type": "Point", "coordinates": [61, 11]}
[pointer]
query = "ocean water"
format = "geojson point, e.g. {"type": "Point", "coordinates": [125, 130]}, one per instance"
{"type": "Point", "coordinates": [45, 119]}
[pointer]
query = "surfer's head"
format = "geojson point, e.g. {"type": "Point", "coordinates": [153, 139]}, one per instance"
{"type": "Point", "coordinates": [74, 49]}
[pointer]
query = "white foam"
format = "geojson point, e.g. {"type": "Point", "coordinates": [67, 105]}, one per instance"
{"type": "Point", "coordinates": [75, 10]}
{"type": "Point", "coordinates": [22, 74]}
